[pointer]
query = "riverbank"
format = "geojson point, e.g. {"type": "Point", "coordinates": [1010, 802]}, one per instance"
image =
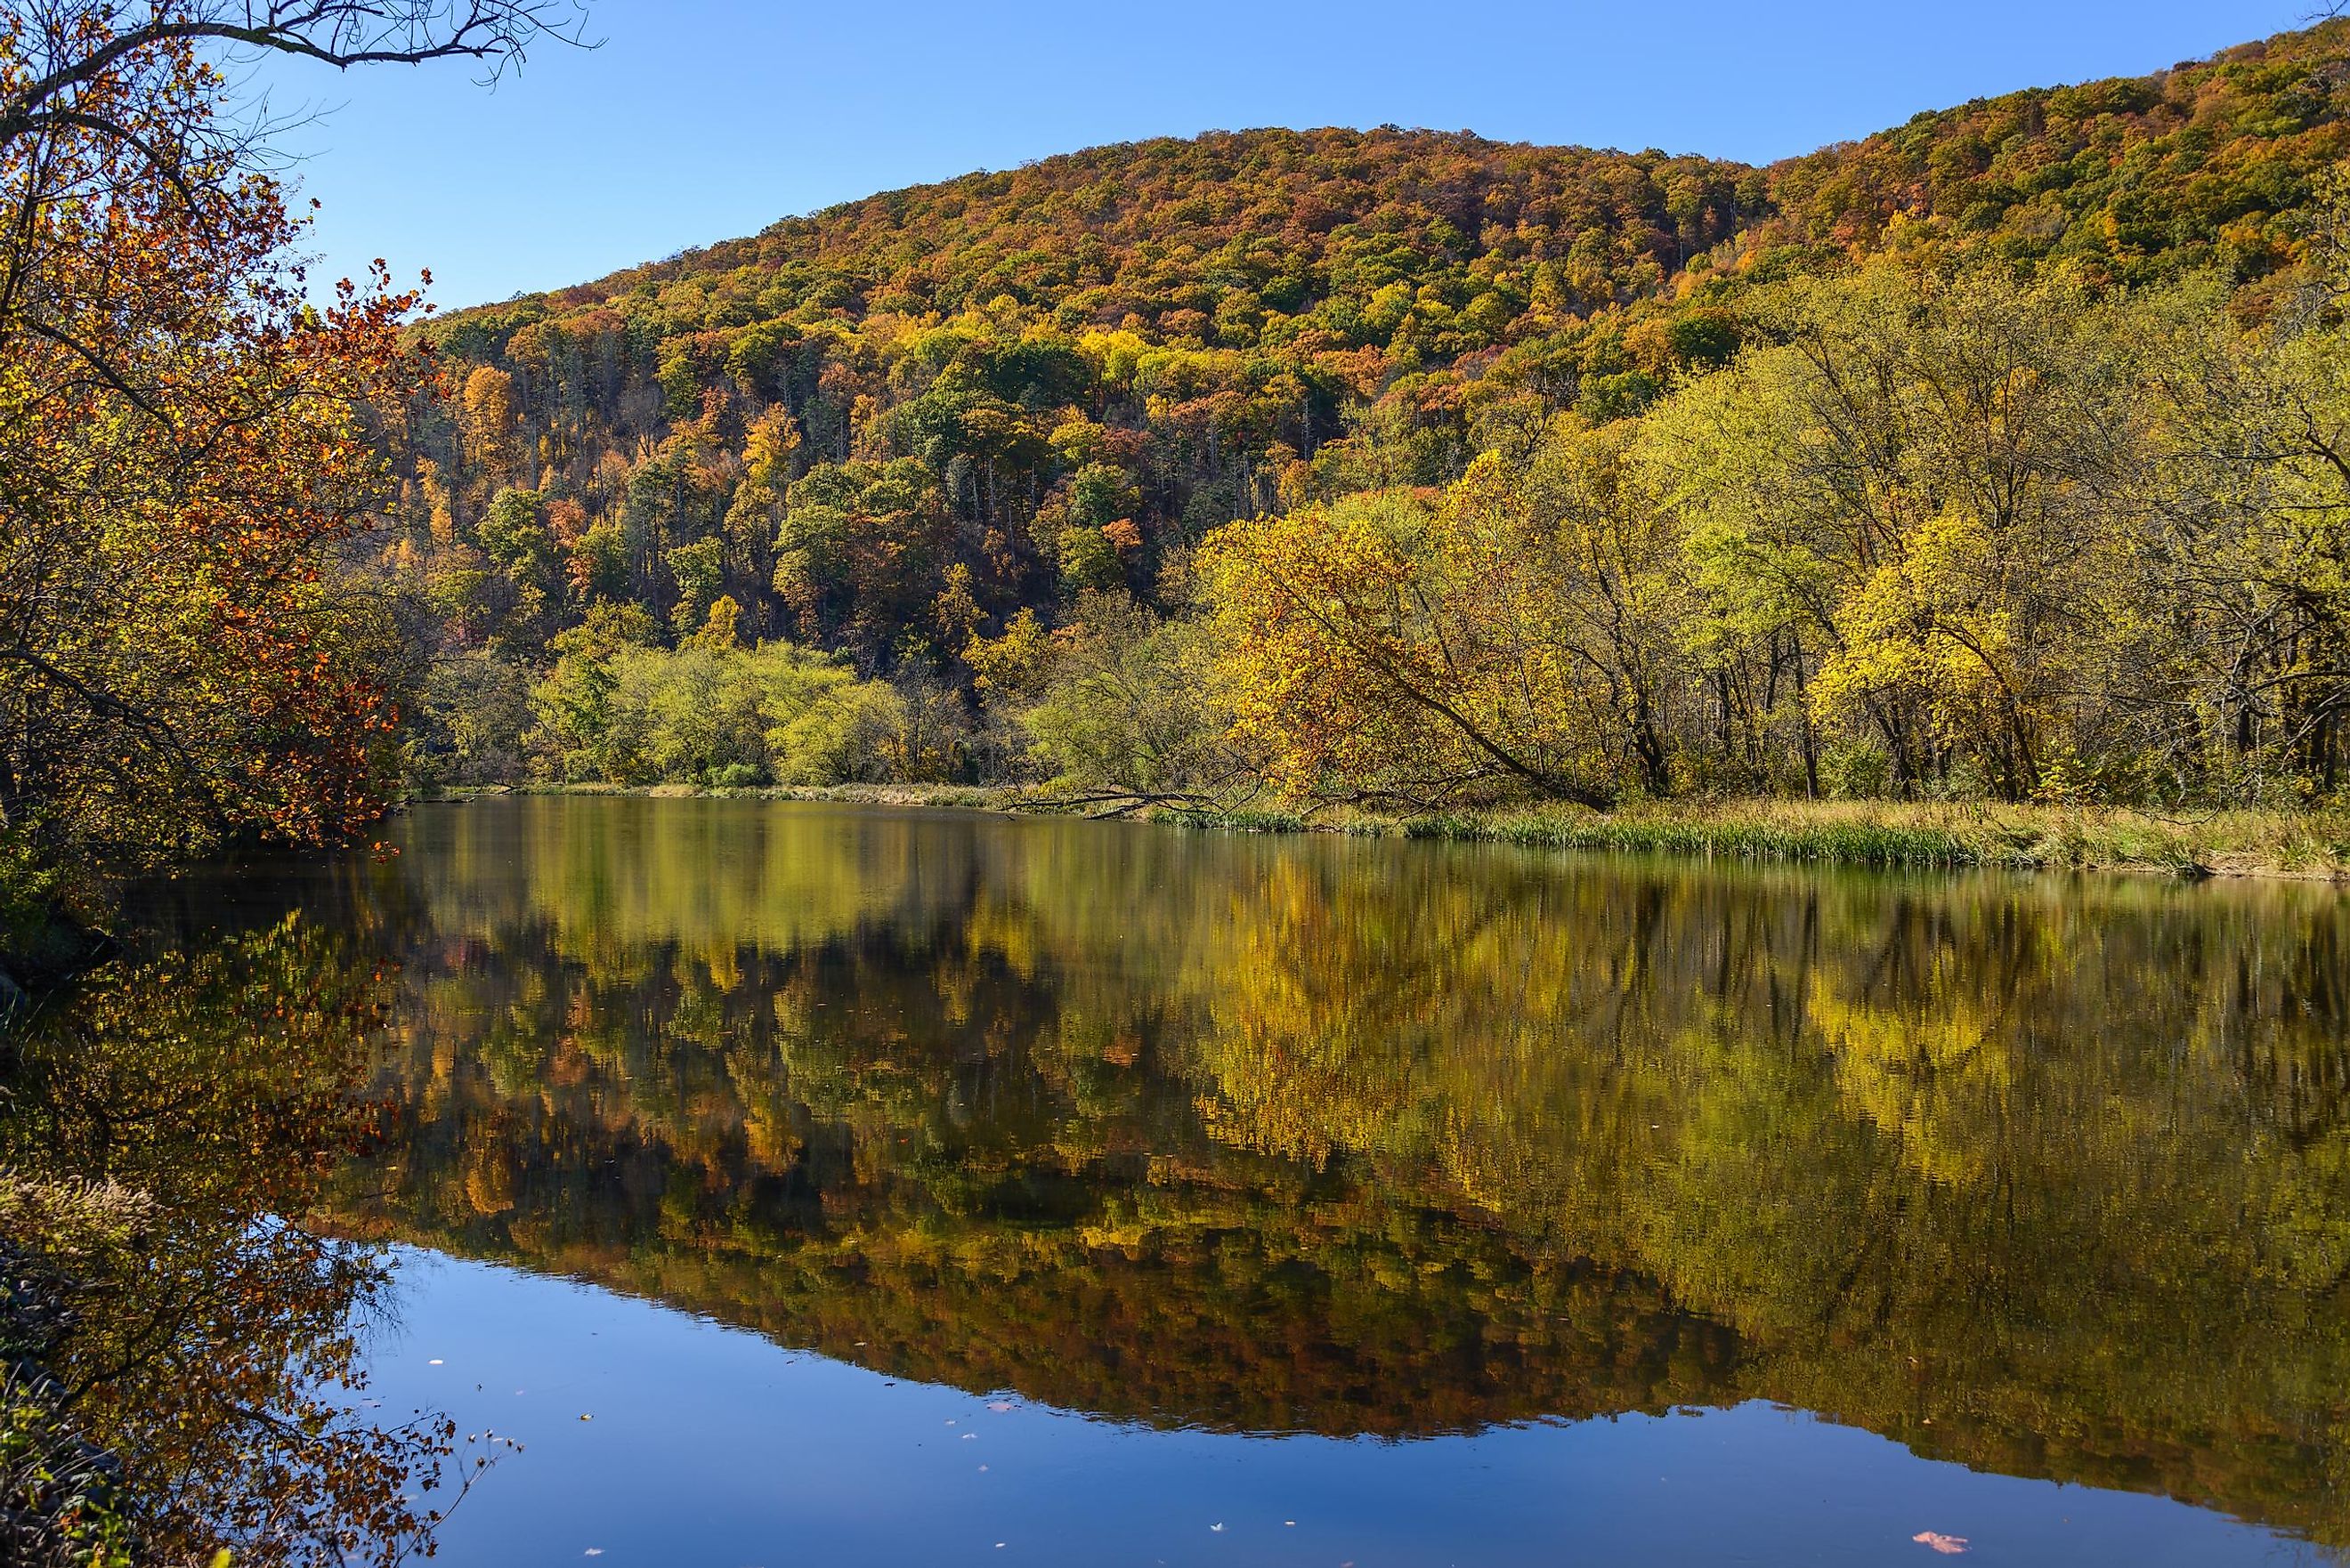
{"type": "Point", "coordinates": [1937, 835]}
{"type": "Point", "coordinates": [1892, 834]}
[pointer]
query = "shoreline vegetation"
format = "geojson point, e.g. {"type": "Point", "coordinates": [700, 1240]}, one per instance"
{"type": "Point", "coordinates": [1888, 835]}
{"type": "Point", "coordinates": [1923, 511]}
{"type": "Point", "coordinates": [186, 432]}
{"type": "Point", "coordinates": [2002, 457]}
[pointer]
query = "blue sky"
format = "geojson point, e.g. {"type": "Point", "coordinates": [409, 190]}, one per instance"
{"type": "Point", "coordinates": [701, 119]}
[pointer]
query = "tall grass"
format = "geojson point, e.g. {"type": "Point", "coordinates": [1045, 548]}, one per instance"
{"type": "Point", "coordinates": [1893, 834]}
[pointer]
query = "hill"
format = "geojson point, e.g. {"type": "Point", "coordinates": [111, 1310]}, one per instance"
{"type": "Point", "coordinates": [884, 427]}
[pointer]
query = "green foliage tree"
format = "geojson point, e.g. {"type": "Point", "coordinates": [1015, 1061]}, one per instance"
{"type": "Point", "coordinates": [1125, 712]}
{"type": "Point", "coordinates": [712, 712]}
{"type": "Point", "coordinates": [1925, 478]}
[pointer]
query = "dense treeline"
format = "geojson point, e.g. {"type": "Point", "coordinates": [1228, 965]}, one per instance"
{"type": "Point", "coordinates": [1932, 530]}
{"type": "Point", "coordinates": [969, 437]}
{"type": "Point", "coordinates": [2000, 453]}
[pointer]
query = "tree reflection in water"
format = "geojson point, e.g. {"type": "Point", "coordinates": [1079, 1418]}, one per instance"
{"type": "Point", "coordinates": [2048, 1176]}
{"type": "Point", "coordinates": [188, 1363]}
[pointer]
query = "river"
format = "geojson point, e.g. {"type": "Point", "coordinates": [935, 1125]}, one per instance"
{"type": "Point", "coordinates": [810, 1184]}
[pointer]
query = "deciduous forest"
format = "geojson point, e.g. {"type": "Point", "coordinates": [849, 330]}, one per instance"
{"type": "Point", "coordinates": [2000, 455]}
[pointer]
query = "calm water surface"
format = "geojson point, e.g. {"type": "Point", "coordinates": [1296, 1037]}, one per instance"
{"type": "Point", "coordinates": [812, 1185]}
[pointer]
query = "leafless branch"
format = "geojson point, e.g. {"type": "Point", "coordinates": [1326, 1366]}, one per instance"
{"type": "Point", "coordinates": [339, 33]}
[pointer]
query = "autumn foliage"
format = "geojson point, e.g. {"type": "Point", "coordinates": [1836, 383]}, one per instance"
{"type": "Point", "coordinates": [182, 446]}
{"type": "Point", "coordinates": [1382, 362]}
{"type": "Point", "coordinates": [183, 441]}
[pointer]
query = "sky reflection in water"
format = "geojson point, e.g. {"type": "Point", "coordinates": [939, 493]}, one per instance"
{"type": "Point", "coordinates": [713, 1446]}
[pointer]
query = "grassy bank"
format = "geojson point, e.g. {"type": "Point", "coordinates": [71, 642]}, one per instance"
{"type": "Point", "coordinates": [1847, 833]}
{"type": "Point", "coordinates": [1896, 834]}
{"type": "Point", "coordinates": [1887, 834]}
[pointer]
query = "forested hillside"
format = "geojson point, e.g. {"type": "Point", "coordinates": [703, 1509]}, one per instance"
{"type": "Point", "coordinates": [954, 438]}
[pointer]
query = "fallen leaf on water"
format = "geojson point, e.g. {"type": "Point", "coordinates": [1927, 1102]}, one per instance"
{"type": "Point", "coordinates": [1948, 1545]}
{"type": "Point", "coordinates": [587, 1417]}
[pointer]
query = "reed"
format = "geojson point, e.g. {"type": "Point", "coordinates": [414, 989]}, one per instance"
{"type": "Point", "coordinates": [1928, 835]}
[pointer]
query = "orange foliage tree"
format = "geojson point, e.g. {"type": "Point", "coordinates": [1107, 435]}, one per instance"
{"type": "Point", "coordinates": [182, 442]}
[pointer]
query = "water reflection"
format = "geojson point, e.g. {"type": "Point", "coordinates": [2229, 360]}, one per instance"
{"type": "Point", "coordinates": [1359, 1137]}
{"type": "Point", "coordinates": [183, 1367]}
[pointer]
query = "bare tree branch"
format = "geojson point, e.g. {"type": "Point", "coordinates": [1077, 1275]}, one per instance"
{"type": "Point", "coordinates": [339, 33]}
